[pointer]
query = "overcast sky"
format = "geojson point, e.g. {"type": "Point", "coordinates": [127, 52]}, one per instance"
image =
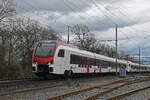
{"type": "Point", "coordinates": [132, 17]}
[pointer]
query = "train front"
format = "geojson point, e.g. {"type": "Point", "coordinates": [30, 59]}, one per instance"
{"type": "Point", "coordinates": [43, 58]}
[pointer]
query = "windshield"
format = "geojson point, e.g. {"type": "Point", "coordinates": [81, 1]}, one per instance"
{"type": "Point", "coordinates": [44, 50]}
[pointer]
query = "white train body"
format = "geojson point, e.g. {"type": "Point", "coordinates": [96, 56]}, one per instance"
{"type": "Point", "coordinates": [66, 58]}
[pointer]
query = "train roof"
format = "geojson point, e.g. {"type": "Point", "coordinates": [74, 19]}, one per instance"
{"type": "Point", "coordinates": [84, 52]}
{"type": "Point", "coordinates": [141, 65]}
{"type": "Point", "coordinates": [93, 55]}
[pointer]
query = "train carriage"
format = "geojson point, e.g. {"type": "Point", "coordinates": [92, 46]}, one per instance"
{"type": "Point", "coordinates": [55, 58]}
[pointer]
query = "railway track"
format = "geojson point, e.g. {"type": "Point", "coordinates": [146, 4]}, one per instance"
{"type": "Point", "coordinates": [24, 86]}
{"type": "Point", "coordinates": [20, 86]}
{"type": "Point", "coordinates": [127, 94]}
{"type": "Point", "coordinates": [80, 91]}
{"type": "Point", "coordinates": [101, 95]}
{"type": "Point", "coordinates": [9, 87]}
{"type": "Point", "coordinates": [94, 92]}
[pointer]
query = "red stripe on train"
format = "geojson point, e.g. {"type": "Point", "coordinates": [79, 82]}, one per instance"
{"type": "Point", "coordinates": [88, 66]}
{"type": "Point", "coordinates": [44, 61]}
{"type": "Point", "coordinates": [100, 67]}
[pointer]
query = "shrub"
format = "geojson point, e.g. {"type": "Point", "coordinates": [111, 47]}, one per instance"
{"type": "Point", "coordinates": [10, 71]}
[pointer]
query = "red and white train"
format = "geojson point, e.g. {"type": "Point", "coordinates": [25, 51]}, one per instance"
{"type": "Point", "coordinates": [54, 58]}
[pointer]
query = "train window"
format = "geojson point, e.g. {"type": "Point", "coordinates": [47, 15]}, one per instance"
{"type": "Point", "coordinates": [61, 53]}
{"type": "Point", "coordinates": [84, 60]}
{"type": "Point", "coordinates": [129, 65]}
{"type": "Point", "coordinates": [105, 64]}
{"type": "Point", "coordinates": [82, 65]}
{"type": "Point", "coordinates": [91, 61]}
{"type": "Point", "coordinates": [94, 62]}
{"type": "Point", "coordinates": [74, 59]}
{"type": "Point", "coordinates": [79, 60]}
{"type": "Point", "coordinates": [79, 65]}
{"type": "Point", "coordinates": [109, 64]}
{"type": "Point", "coordinates": [98, 61]}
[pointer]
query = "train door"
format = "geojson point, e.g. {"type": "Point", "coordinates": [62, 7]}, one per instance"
{"type": "Point", "coordinates": [67, 60]}
{"type": "Point", "coordinates": [61, 61]}
{"type": "Point", "coordinates": [109, 67]}
{"type": "Point", "coordinates": [128, 67]}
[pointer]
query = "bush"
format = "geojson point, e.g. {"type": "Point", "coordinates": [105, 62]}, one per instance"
{"type": "Point", "coordinates": [14, 71]}
{"type": "Point", "coordinates": [10, 71]}
{"type": "Point", "coordinates": [2, 71]}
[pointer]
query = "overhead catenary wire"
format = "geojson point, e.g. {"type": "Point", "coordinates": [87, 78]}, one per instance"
{"type": "Point", "coordinates": [131, 20]}
{"type": "Point", "coordinates": [89, 15]}
{"type": "Point", "coordinates": [113, 21]}
{"type": "Point", "coordinates": [104, 13]}
{"type": "Point", "coordinates": [37, 8]}
{"type": "Point", "coordinates": [76, 6]}
{"type": "Point", "coordinates": [71, 7]}
{"type": "Point", "coordinates": [123, 32]}
{"type": "Point", "coordinates": [132, 28]}
{"type": "Point", "coordinates": [65, 3]}
{"type": "Point", "coordinates": [29, 5]}
{"type": "Point", "coordinates": [106, 16]}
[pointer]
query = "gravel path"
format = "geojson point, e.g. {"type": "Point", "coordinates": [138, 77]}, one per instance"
{"type": "Point", "coordinates": [25, 86]}
{"type": "Point", "coordinates": [86, 94]}
{"type": "Point", "coordinates": [68, 86]}
{"type": "Point", "coordinates": [125, 89]}
{"type": "Point", "coordinates": [142, 95]}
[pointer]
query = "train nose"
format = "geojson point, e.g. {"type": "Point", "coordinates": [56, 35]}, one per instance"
{"type": "Point", "coordinates": [43, 68]}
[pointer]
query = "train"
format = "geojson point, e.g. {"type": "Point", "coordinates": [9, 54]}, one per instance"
{"type": "Point", "coordinates": [56, 58]}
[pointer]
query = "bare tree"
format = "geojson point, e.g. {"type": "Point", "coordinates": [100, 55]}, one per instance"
{"type": "Point", "coordinates": [3, 37]}
{"type": "Point", "coordinates": [83, 38]}
{"type": "Point", "coordinates": [49, 34]}
{"type": "Point", "coordinates": [7, 8]}
{"type": "Point", "coordinates": [8, 37]}
{"type": "Point", "coordinates": [86, 40]}
{"type": "Point", "coordinates": [28, 33]}
{"type": "Point", "coordinates": [19, 36]}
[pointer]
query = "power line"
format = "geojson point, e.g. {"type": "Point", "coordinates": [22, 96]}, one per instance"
{"type": "Point", "coordinates": [32, 7]}
{"type": "Point", "coordinates": [104, 13]}
{"type": "Point", "coordinates": [134, 29]}
{"type": "Point", "coordinates": [111, 15]}
{"type": "Point", "coordinates": [75, 12]}
{"type": "Point", "coordinates": [23, 9]}
{"type": "Point", "coordinates": [98, 20]}
{"type": "Point", "coordinates": [81, 10]}
{"type": "Point", "coordinates": [127, 38]}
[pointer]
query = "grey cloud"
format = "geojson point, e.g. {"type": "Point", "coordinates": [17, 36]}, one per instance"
{"type": "Point", "coordinates": [59, 13]}
{"type": "Point", "coordinates": [62, 6]}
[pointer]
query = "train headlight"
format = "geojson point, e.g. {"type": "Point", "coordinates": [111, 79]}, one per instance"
{"type": "Point", "coordinates": [49, 64]}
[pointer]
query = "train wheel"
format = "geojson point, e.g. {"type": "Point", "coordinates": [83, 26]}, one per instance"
{"type": "Point", "coordinates": [68, 73]}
